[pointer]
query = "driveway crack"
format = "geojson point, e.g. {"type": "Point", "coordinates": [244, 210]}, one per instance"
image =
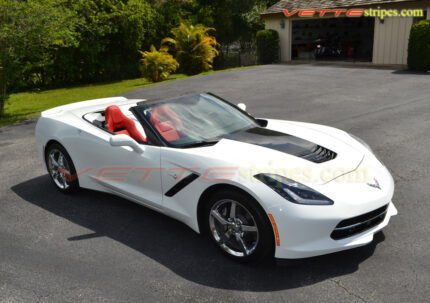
{"type": "Point", "coordinates": [337, 282]}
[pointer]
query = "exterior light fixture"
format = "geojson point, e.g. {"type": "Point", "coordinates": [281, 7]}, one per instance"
{"type": "Point", "coordinates": [282, 23]}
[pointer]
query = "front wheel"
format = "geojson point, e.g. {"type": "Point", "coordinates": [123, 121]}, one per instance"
{"type": "Point", "coordinates": [239, 226]}
{"type": "Point", "coordinates": [61, 169]}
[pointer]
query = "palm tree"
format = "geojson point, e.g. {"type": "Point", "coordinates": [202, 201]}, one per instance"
{"type": "Point", "coordinates": [193, 46]}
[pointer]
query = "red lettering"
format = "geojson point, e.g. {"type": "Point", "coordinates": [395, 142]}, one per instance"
{"type": "Point", "coordinates": [113, 174]}
{"type": "Point", "coordinates": [146, 172]}
{"type": "Point", "coordinates": [219, 173]}
{"type": "Point", "coordinates": [70, 177]}
{"type": "Point", "coordinates": [338, 12]}
{"type": "Point", "coordinates": [355, 13]}
{"type": "Point", "coordinates": [322, 12]}
{"type": "Point", "coordinates": [307, 13]}
{"type": "Point", "coordinates": [288, 14]}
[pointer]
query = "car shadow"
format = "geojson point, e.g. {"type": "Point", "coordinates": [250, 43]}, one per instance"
{"type": "Point", "coordinates": [410, 72]}
{"type": "Point", "coordinates": [177, 247]}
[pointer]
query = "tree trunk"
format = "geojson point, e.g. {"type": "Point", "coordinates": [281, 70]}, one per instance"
{"type": "Point", "coordinates": [3, 98]}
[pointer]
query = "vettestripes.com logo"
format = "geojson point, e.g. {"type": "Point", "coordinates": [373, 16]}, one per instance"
{"type": "Point", "coordinates": [353, 13]}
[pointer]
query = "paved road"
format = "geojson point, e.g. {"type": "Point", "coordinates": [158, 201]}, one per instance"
{"type": "Point", "coordinates": [96, 248]}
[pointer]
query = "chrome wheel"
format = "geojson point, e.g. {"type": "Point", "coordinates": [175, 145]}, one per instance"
{"type": "Point", "coordinates": [233, 228]}
{"type": "Point", "coordinates": [59, 168]}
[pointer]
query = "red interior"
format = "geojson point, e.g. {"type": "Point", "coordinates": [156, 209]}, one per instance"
{"type": "Point", "coordinates": [166, 122]}
{"type": "Point", "coordinates": [119, 123]}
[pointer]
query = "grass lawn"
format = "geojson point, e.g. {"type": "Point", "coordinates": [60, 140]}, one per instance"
{"type": "Point", "coordinates": [28, 105]}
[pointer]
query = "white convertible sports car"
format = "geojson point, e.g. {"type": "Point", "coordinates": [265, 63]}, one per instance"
{"type": "Point", "coordinates": [256, 187]}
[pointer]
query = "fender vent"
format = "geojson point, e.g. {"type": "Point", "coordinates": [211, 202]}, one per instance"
{"type": "Point", "coordinates": [181, 185]}
{"type": "Point", "coordinates": [320, 154]}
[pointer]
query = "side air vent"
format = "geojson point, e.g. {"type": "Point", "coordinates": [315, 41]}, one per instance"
{"type": "Point", "coordinates": [181, 185]}
{"type": "Point", "coordinates": [320, 154]}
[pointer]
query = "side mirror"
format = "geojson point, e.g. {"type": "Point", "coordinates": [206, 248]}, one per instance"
{"type": "Point", "coordinates": [242, 106]}
{"type": "Point", "coordinates": [262, 122]}
{"type": "Point", "coordinates": [124, 140]}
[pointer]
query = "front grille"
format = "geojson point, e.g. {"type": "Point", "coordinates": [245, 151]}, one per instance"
{"type": "Point", "coordinates": [320, 154]}
{"type": "Point", "coordinates": [359, 224]}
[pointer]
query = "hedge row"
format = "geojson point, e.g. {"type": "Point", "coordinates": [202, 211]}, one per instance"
{"type": "Point", "coordinates": [267, 46]}
{"type": "Point", "coordinates": [419, 46]}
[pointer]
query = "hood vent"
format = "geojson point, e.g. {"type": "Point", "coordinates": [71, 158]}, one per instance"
{"type": "Point", "coordinates": [320, 154]}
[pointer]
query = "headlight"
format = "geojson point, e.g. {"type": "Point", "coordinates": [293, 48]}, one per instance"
{"type": "Point", "coordinates": [293, 191]}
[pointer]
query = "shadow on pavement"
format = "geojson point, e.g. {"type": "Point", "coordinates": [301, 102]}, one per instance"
{"type": "Point", "coordinates": [410, 72]}
{"type": "Point", "coordinates": [177, 247]}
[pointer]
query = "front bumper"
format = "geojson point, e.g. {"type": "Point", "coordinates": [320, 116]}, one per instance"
{"type": "Point", "coordinates": [315, 240]}
{"type": "Point", "coordinates": [307, 231]}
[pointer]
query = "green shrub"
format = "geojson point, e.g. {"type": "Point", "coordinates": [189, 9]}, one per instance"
{"type": "Point", "coordinates": [158, 64]}
{"type": "Point", "coordinates": [419, 46]}
{"type": "Point", "coordinates": [267, 46]}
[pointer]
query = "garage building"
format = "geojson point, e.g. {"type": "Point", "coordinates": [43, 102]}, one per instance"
{"type": "Point", "coordinates": [381, 41]}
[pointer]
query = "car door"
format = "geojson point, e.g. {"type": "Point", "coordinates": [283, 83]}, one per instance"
{"type": "Point", "coordinates": [120, 169]}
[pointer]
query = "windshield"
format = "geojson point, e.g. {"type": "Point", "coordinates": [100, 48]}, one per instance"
{"type": "Point", "coordinates": [194, 120]}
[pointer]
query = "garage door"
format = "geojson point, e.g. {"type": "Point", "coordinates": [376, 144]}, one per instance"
{"type": "Point", "coordinates": [346, 39]}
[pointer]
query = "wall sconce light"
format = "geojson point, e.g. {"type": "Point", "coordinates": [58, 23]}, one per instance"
{"type": "Point", "coordinates": [381, 20]}
{"type": "Point", "coordinates": [282, 23]}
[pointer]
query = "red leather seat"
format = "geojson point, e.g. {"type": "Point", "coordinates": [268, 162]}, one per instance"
{"type": "Point", "coordinates": [167, 126]}
{"type": "Point", "coordinates": [118, 123]}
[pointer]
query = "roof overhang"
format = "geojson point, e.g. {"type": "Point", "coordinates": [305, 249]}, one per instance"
{"type": "Point", "coordinates": [314, 4]}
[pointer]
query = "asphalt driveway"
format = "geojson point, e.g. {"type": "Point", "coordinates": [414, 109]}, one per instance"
{"type": "Point", "coordinates": [94, 247]}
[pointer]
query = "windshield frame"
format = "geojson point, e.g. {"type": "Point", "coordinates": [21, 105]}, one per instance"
{"type": "Point", "coordinates": [155, 136]}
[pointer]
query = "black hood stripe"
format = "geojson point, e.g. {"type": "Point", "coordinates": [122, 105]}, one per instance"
{"type": "Point", "coordinates": [284, 143]}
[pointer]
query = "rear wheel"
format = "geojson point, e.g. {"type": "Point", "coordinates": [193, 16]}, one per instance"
{"type": "Point", "coordinates": [238, 226]}
{"type": "Point", "coordinates": [61, 169]}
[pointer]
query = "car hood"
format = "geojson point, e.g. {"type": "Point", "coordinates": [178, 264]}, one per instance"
{"type": "Point", "coordinates": [288, 148]}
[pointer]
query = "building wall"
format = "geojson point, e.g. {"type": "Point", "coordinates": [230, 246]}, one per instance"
{"type": "Point", "coordinates": [390, 38]}
{"type": "Point", "coordinates": [285, 35]}
{"type": "Point", "coordinates": [390, 42]}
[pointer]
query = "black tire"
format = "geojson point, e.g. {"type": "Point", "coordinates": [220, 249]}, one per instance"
{"type": "Point", "coordinates": [70, 177]}
{"type": "Point", "coordinates": [263, 247]}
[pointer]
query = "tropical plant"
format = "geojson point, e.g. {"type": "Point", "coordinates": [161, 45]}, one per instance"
{"type": "Point", "coordinates": [158, 64]}
{"type": "Point", "coordinates": [193, 47]}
